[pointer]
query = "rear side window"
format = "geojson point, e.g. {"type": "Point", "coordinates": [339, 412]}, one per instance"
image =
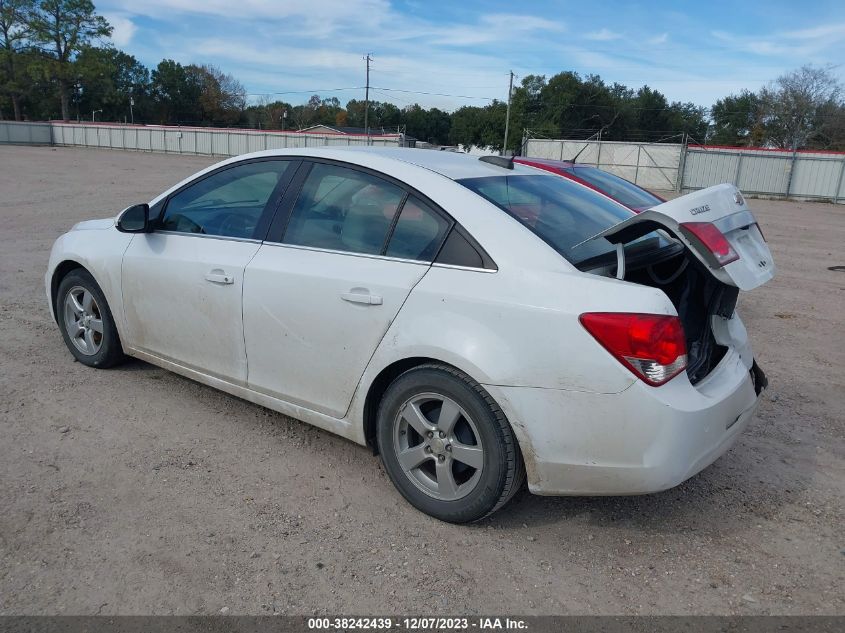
{"type": "Point", "coordinates": [418, 233]}
{"type": "Point", "coordinates": [343, 209]}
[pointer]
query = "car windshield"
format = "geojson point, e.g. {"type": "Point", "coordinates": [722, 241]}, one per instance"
{"type": "Point", "coordinates": [561, 212]}
{"type": "Point", "coordinates": [618, 188]}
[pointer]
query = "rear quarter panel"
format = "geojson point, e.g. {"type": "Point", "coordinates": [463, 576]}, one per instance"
{"type": "Point", "coordinates": [514, 327]}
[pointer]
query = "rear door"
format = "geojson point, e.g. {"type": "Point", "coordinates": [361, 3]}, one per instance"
{"type": "Point", "coordinates": [321, 292]}
{"type": "Point", "coordinates": [716, 225]}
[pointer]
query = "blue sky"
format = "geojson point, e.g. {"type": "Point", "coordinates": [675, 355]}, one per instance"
{"type": "Point", "coordinates": [690, 51]}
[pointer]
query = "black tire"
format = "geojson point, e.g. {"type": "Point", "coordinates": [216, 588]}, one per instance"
{"type": "Point", "coordinates": [108, 351]}
{"type": "Point", "coordinates": [503, 471]}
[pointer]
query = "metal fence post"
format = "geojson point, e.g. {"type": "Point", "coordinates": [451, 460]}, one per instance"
{"type": "Point", "coordinates": [682, 159]}
{"type": "Point", "coordinates": [738, 167]}
{"type": "Point", "coordinates": [839, 182]}
{"type": "Point", "coordinates": [637, 166]}
{"type": "Point", "coordinates": [791, 172]}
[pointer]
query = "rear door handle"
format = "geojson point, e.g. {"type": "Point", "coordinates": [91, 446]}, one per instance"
{"type": "Point", "coordinates": [361, 295]}
{"type": "Point", "coordinates": [217, 276]}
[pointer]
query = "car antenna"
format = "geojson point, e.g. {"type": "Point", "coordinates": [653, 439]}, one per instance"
{"type": "Point", "coordinates": [599, 133]}
{"type": "Point", "coordinates": [499, 161]}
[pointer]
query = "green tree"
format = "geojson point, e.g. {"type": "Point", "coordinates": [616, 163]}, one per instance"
{"type": "Point", "coordinates": [220, 98]}
{"type": "Point", "coordinates": [108, 79]}
{"type": "Point", "coordinates": [175, 94]}
{"type": "Point", "coordinates": [475, 126]}
{"type": "Point", "coordinates": [736, 120]}
{"type": "Point", "coordinates": [63, 27]}
{"type": "Point", "coordinates": [15, 16]}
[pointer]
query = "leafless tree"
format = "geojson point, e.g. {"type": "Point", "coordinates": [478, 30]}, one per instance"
{"type": "Point", "coordinates": [798, 106]}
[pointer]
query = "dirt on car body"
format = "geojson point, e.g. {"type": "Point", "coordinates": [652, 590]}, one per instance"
{"type": "Point", "coordinates": [136, 491]}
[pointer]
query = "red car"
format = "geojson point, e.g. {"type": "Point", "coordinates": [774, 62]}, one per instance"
{"type": "Point", "coordinates": [623, 191]}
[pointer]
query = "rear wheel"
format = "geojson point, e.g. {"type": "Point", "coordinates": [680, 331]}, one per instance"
{"type": "Point", "coordinates": [86, 321]}
{"type": "Point", "coordinates": [446, 445]}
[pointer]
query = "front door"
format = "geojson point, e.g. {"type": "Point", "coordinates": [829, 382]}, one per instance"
{"type": "Point", "coordinates": [183, 283]}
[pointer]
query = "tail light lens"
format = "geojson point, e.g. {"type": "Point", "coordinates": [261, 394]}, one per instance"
{"type": "Point", "coordinates": [714, 241]}
{"type": "Point", "coordinates": [652, 346]}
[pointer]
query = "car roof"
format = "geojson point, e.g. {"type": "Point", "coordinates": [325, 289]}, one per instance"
{"type": "Point", "coordinates": [453, 165]}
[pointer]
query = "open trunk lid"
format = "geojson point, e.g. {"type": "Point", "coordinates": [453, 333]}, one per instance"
{"type": "Point", "coordinates": [735, 252]}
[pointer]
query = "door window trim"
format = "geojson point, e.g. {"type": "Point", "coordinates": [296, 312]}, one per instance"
{"type": "Point", "coordinates": [284, 212]}
{"type": "Point", "coordinates": [262, 227]}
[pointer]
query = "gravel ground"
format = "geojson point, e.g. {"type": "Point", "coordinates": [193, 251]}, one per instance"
{"type": "Point", "coordinates": [136, 491]}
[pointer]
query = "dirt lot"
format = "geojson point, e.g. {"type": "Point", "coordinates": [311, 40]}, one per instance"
{"type": "Point", "coordinates": [137, 491]}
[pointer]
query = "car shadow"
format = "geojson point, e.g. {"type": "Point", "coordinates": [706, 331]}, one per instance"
{"type": "Point", "coordinates": [745, 486]}
{"type": "Point", "coordinates": [765, 471]}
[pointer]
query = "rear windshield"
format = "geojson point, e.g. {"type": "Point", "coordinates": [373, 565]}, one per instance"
{"type": "Point", "coordinates": [561, 212]}
{"type": "Point", "coordinates": [618, 188]}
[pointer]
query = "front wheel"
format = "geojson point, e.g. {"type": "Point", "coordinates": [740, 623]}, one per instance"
{"type": "Point", "coordinates": [86, 321]}
{"type": "Point", "coordinates": [446, 445]}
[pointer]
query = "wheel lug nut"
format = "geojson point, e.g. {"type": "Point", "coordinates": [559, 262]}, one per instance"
{"type": "Point", "coordinates": [429, 435]}
{"type": "Point", "coordinates": [442, 434]}
{"type": "Point", "coordinates": [427, 449]}
{"type": "Point", "coordinates": [449, 447]}
{"type": "Point", "coordinates": [441, 458]}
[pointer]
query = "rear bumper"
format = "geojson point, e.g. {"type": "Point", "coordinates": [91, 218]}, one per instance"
{"type": "Point", "coordinates": [641, 440]}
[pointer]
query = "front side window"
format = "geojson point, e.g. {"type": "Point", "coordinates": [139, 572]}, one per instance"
{"type": "Point", "coordinates": [228, 203]}
{"type": "Point", "coordinates": [343, 209]}
{"type": "Point", "coordinates": [418, 233]}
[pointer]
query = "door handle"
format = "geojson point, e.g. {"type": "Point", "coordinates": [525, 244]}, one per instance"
{"type": "Point", "coordinates": [361, 295]}
{"type": "Point", "coordinates": [217, 276]}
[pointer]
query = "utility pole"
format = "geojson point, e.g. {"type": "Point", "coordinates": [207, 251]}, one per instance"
{"type": "Point", "coordinates": [367, 100]}
{"type": "Point", "coordinates": [508, 115]}
{"type": "Point", "coordinates": [131, 108]}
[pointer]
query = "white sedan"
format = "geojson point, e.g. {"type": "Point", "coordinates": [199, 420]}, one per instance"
{"type": "Point", "coordinates": [476, 322]}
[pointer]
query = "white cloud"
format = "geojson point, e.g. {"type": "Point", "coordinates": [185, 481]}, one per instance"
{"type": "Point", "coordinates": [123, 29]}
{"type": "Point", "coordinates": [290, 46]}
{"type": "Point", "coordinates": [603, 35]}
{"type": "Point", "coordinates": [318, 18]}
{"type": "Point", "coordinates": [834, 31]}
{"type": "Point", "coordinates": [809, 44]}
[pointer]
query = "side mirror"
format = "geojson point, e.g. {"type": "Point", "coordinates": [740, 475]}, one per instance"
{"type": "Point", "coordinates": [134, 219]}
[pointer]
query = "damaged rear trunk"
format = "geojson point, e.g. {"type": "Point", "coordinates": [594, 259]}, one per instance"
{"type": "Point", "coordinates": [697, 296]}
{"type": "Point", "coordinates": [700, 249]}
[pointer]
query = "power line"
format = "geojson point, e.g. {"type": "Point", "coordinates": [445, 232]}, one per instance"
{"type": "Point", "coordinates": [437, 94]}
{"type": "Point", "coordinates": [300, 92]}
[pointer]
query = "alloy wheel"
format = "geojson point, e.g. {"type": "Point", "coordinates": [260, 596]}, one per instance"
{"type": "Point", "coordinates": [438, 446]}
{"type": "Point", "coordinates": [83, 320]}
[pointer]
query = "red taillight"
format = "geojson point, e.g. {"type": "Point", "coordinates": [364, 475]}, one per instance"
{"type": "Point", "coordinates": [652, 346]}
{"type": "Point", "coordinates": [714, 241]}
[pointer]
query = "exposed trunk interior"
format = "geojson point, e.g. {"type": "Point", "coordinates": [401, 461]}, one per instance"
{"type": "Point", "coordinates": [698, 296]}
